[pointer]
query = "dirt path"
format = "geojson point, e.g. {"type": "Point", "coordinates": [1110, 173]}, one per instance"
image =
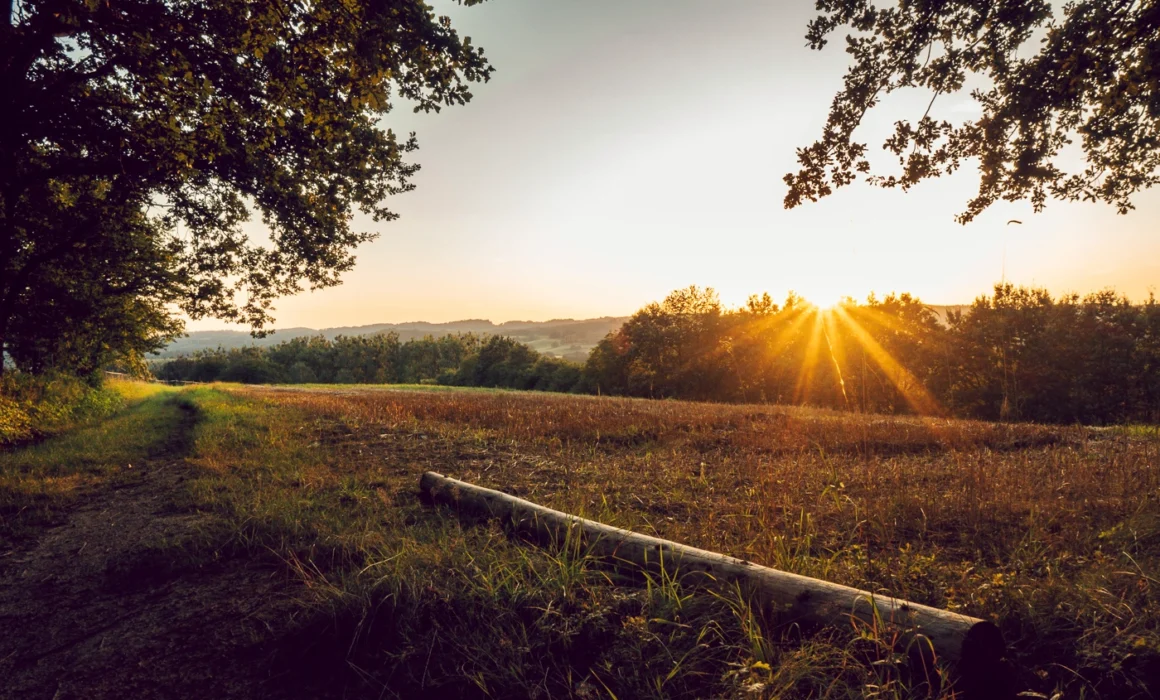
{"type": "Point", "coordinates": [92, 610]}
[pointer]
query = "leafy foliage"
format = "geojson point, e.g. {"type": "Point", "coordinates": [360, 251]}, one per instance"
{"type": "Point", "coordinates": [1019, 354]}
{"type": "Point", "coordinates": [141, 134]}
{"type": "Point", "coordinates": [1092, 82]}
{"type": "Point", "coordinates": [35, 406]}
{"type": "Point", "coordinates": [690, 347]}
{"type": "Point", "coordinates": [80, 317]}
{"type": "Point", "coordinates": [460, 360]}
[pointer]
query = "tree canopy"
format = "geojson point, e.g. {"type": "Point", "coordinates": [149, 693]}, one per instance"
{"type": "Point", "coordinates": [459, 360]}
{"type": "Point", "coordinates": [140, 135]}
{"type": "Point", "coordinates": [1018, 354]}
{"type": "Point", "coordinates": [1048, 83]}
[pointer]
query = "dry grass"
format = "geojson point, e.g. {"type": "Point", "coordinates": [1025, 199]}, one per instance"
{"type": "Point", "coordinates": [1052, 532]}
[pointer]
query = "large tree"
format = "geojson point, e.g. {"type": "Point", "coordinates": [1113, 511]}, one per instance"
{"type": "Point", "coordinates": [140, 135]}
{"type": "Point", "coordinates": [1044, 77]}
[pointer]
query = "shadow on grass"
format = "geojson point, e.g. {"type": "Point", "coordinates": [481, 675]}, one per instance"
{"type": "Point", "coordinates": [40, 482]}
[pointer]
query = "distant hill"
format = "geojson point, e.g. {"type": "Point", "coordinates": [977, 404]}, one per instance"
{"type": "Point", "coordinates": [567, 338]}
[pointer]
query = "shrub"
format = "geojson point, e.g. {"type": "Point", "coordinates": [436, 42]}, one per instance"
{"type": "Point", "coordinates": [36, 405]}
{"type": "Point", "coordinates": [15, 423]}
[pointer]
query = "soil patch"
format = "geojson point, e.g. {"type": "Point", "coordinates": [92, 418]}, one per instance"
{"type": "Point", "coordinates": [110, 604]}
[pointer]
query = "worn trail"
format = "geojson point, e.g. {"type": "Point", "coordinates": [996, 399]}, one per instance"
{"type": "Point", "coordinates": [102, 607]}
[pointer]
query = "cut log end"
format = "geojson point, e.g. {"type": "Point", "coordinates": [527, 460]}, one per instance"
{"type": "Point", "coordinates": [983, 648]}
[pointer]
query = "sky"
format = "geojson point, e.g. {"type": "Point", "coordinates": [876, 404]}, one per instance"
{"type": "Point", "coordinates": [626, 148]}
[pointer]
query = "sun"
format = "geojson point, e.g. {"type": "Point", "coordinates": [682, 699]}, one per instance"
{"type": "Point", "coordinates": [825, 290]}
{"type": "Point", "coordinates": [825, 299]}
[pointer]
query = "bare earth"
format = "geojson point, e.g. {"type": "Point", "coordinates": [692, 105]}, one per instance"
{"type": "Point", "coordinates": [89, 611]}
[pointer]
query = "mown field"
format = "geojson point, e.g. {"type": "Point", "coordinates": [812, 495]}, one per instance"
{"type": "Point", "coordinates": [1053, 533]}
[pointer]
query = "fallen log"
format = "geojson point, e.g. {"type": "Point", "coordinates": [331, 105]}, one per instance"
{"type": "Point", "coordinates": [974, 646]}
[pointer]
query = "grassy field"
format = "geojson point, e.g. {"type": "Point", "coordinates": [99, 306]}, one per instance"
{"type": "Point", "coordinates": [1054, 533]}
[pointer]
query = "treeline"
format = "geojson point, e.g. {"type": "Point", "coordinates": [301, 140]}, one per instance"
{"type": "Point", "coordinates": [1017, 354]}
{"type": "Point", "coordinates": [457, 360]}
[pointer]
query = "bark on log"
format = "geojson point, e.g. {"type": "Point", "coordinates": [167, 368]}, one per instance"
{"type": "Point", "coordinates": [974, 646]}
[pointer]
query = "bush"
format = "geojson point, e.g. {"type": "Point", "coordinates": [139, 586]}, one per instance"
{"type": "Point", "coordinates": [15, 423]}
{"type": "Point", "coordinates": [35, 405]}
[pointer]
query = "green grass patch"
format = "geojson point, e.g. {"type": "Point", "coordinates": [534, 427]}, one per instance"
{"type": "Point", "coordinates": [1137, 430]}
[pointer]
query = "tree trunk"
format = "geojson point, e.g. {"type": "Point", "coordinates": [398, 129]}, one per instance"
{"type": "Point", "coordinates": [974, 646]}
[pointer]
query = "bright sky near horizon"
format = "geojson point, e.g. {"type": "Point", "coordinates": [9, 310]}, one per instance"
{"type": "Point", "coordinates": [624, 149]}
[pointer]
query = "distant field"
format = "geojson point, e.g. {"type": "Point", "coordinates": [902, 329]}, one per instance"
{"type": "Point", "coordinates": [1054, 533]}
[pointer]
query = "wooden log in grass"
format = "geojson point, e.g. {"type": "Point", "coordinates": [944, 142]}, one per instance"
{"type": "Point", "coordinates": [974, 646]}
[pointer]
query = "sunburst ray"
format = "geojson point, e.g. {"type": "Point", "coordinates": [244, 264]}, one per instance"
{"type": "Point", "coordinates": [912, 390]}
{"type": "Point", "coordinates": [833, 344]}
{"type": "Point", "coordinates": [809, 359]}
